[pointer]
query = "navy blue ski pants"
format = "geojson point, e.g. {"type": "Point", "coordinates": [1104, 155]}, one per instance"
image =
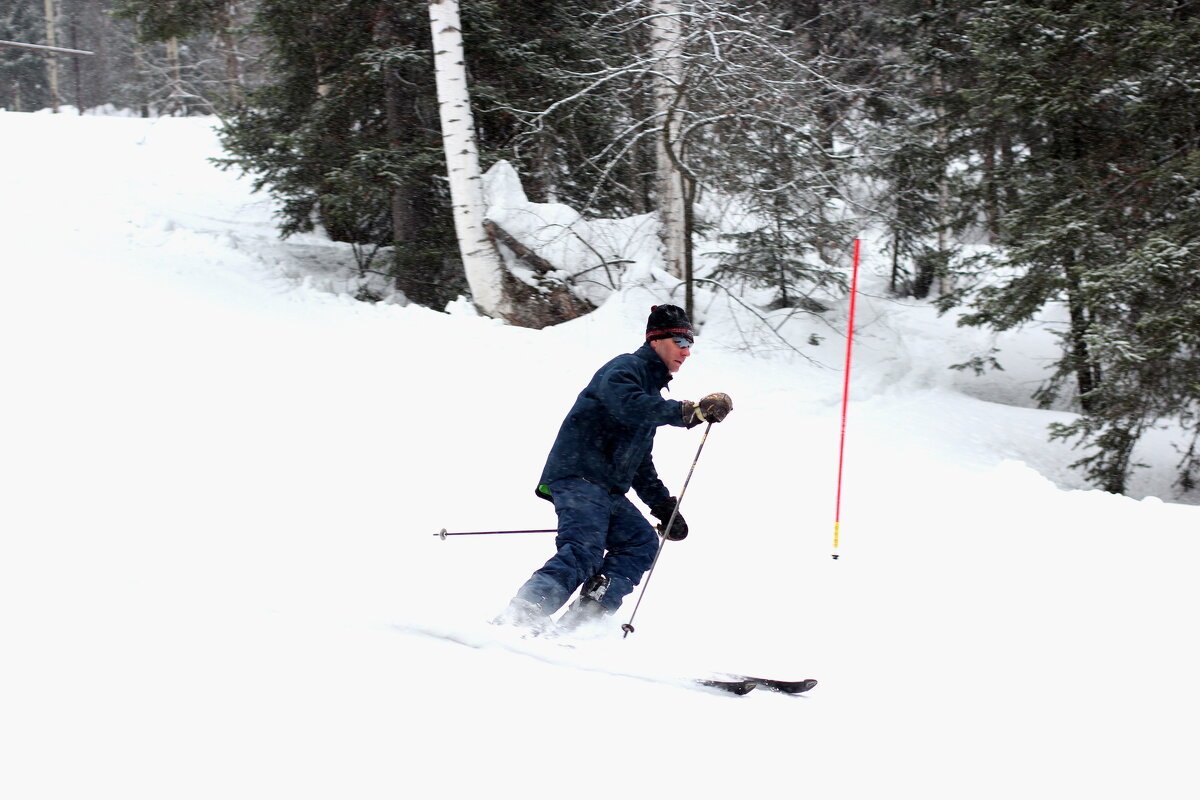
{"type": "Point", "coordinates": [598, 532]}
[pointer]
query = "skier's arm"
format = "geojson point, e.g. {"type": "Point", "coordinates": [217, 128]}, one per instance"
{"type": "Point", "coordinates": [655, 495]}
{"type": "Point", "coordinates": [622, 395]}
{"type": "Point", "coordinates": [649, 487]}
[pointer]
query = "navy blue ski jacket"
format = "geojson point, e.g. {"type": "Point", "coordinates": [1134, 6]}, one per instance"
{"type": "Point", "coordinates": [607, 436]}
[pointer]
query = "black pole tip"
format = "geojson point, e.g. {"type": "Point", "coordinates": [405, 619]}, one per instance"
{"type": "Point", "coordinates": [627, 628]}
{"type": "Point", "coordinates": [835, 555]}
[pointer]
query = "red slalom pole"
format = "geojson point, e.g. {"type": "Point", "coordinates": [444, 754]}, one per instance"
{"type": "Point", "coordinates": [837, 513]}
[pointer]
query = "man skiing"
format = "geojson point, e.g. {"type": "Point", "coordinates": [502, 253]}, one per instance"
{"type": "Point", "coordinates": [603, 449]}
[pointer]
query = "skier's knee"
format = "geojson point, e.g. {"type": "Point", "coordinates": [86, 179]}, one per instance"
{"type": "Point", "coordinates": [584, 560]}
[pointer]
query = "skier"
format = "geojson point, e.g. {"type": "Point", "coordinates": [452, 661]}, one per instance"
{"type": "Point", "coordinates": [603, 448]}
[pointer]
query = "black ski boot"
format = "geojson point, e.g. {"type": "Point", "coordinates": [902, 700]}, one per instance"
{"type": "Point", "coordinates": [587, 608]}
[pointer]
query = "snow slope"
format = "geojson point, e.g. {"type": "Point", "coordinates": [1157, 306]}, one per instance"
{"type": "Point", "coordinates": [222, 477]}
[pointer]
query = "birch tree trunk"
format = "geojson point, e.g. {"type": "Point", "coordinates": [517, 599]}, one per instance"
{"type": "Point", "coordinates": [480, 259]}
{"type": "Point", "coordinates": [666, 48]}
{"type": "Point", "coordinates": [178, 100]}
{"type": "Point", "coordinates": [227, 37]}
{"type": "Point", "coordinates": [52, 61]}
{"type": "Point", "coordinates": [942, 138]}
{"type": "Point", "coordinates": [536, 303]}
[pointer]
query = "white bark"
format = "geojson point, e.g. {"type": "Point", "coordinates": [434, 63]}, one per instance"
{"type": "Point", "coordinates": [666, 48]}
{"type": "Point", "coordinates": [52, 61]}
{"type": "Point", "coordinates": [480, 260]}
{"type": "Point", "coordinates": [228, 39]}
{"type": "Point", "coordinates": [179, 99]}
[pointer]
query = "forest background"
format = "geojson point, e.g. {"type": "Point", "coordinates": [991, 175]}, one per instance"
{"type": "Point", "coordinates": [1009, 157]}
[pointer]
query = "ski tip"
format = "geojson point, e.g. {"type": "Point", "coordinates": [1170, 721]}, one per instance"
{"type": "Point", "coordinates": [787, 687]}
{"type": "Point", "coordinates": [775, 685]}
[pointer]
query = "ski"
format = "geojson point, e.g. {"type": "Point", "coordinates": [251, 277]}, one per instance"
{"type": "Point", "coordinates": [784, 687]}
{"type": "Point", "coordinates": [733, 687]}
{"type": "Point", "coordinates": [744, 684]}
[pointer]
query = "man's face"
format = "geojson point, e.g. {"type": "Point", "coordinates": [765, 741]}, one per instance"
{"type": "Point", "coordinates": [673, 350]}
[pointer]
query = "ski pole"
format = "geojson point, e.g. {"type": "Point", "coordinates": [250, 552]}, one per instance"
{"type": "Point", "coordinates": [628, 626]}
{"type": "Point", "coordinates": [837, 512]}
{"type": "Point", "coordinates": [442, 533]}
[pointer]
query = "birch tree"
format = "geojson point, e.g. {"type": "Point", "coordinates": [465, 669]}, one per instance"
{"type": "Point", "coordinates": [497, 292]}
{"type": "Point", "coordinates": [52, 63]}
{"type": "Point", "coordinates": [666, 51]}
{"type": "Point", "coordinates": [481, 262]}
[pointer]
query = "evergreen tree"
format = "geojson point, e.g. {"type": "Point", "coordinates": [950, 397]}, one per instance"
{"type": "Point", "coordinates": [529, 54]}
{"type": "Point", "coordinates": [346, 135]}
{"type": "Point", "coordinates": [208, 58]}
{"type": "Point", "coordinates": [534, 69]}
{"type": "Point", "coordinates": [24, 84]}
{"type": "Point", "coordinates": [918, 141]}
{"type": "Point", "coordinates": [1100, 206]}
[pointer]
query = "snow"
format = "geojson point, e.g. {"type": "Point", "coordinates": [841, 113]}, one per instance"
{"type": "Point", "coordinates": [223, 477]}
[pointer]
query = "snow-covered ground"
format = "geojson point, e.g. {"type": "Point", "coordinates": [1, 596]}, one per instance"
{"type": "Point", "coordinates": [222, 479]}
